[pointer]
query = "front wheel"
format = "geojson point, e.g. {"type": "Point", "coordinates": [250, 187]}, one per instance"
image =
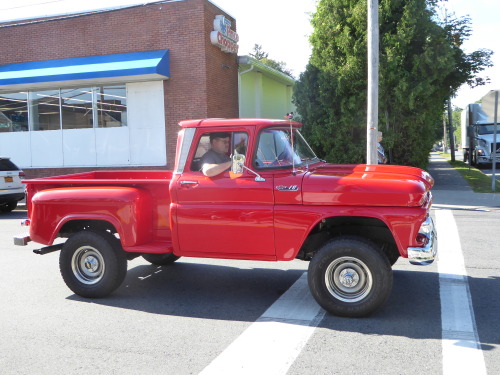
{"type": "Point", "coordinates": [350, 276]}
{"type": "Point", "coordinates": [92, 264]}
{"type": "Point", "coordinates": [474, 159]}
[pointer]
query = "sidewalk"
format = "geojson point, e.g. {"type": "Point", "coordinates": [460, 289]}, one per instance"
{"type": "Point", "coordinates": [451, 189]}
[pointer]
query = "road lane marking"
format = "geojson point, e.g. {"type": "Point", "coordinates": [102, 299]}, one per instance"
{"type": "Point", "coordinates": [462, 353]}
{"type": "Point", "coordinates": [273, 342]}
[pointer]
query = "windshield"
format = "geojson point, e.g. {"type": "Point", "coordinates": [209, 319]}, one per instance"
{"type": "Point", "coordinates": [283, 147]}
{"type": "Point", "coordinates": [488, 129]}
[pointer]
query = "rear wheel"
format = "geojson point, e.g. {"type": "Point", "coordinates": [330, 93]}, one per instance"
{"type": "Point", "coordinates": [350, 276]}
{"type": "Point", "coordinates": [160, 259]}
{"type": "Point", "coordinates": [8, 207]}
{"type": "Point", "coordinates": [92, 264]}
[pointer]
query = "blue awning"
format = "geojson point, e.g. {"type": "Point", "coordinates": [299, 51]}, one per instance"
{"type": "Point", "coordinates": [125, 67]}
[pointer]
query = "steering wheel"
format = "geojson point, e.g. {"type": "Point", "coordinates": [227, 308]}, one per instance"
{"type": "Point", "coordinates": [284, 158]}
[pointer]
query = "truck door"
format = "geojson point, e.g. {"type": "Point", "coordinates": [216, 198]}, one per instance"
{"type": "Point", "coordinates": [224, 217]}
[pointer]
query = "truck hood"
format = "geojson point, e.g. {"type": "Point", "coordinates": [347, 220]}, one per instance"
{"type": "Point", "coordinates": [489, 137]}
{"type": "Point", "coordinates": [367, 185]}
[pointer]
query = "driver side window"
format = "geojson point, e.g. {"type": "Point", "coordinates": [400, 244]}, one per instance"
{"type": "Point", "coordinates": [238, 144]}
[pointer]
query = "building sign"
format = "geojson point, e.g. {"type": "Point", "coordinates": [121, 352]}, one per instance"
{"type": "Point", "coordinates": [223, 37]}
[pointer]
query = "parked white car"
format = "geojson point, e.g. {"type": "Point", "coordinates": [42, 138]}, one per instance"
{"type": "Point", "coordinates": [11, 187]}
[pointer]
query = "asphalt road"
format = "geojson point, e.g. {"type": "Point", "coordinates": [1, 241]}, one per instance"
{"type": "Point", "coordinates": [180, 319]}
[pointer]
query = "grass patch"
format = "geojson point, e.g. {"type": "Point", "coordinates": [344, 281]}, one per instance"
{"type": "Point", "coordinates": [476, 179]}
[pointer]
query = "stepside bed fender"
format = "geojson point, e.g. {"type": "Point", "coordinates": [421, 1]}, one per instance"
{"type": "Point", "coordinates": [127, 209]}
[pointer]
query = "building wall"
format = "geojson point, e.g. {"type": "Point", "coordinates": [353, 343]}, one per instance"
{"type": "Point", "coordinates": [203, 82]}
{"type": "Point", "coordinates": [276, 99]}
{"type": "Point", "coordinates": [262, 95]}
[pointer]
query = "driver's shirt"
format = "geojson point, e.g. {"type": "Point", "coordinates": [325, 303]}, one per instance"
{"type": "Point", "coordinates": [212, 157]}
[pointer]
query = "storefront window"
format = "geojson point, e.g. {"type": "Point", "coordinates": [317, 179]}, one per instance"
{"type": "Point", "coordinates": [44, 110]}
{"type": "Point", "coordinates": [76, 108]}
{"type": "Point", "coordinates": [111, 106]}
{"type": "Point", "coordinates": [14, 112]}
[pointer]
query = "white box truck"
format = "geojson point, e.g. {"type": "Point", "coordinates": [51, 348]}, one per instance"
{"type": "Point", "coordinates": [477, 135]}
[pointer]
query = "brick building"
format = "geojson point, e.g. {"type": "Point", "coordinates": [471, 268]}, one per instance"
{"type": "Point", "coordinates": [106, 89]}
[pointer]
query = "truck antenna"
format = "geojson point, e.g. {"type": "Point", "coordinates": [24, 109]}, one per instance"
{"type": "Point", "coordinates": [289, 116]}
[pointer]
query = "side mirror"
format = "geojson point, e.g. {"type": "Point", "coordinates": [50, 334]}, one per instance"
{"type": "Point", "coordinates": [238, 165]}
{"type": "Point", "coordinates": [238, 161]}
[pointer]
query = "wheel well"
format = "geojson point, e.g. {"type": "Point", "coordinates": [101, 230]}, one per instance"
{"type": "Point", "coordinates": [74, 226]}
{"type": "Point", "coordinates": [369, 228]}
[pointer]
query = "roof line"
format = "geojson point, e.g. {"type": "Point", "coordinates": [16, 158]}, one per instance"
{"type": "Point", "coordinates": [62, 16]}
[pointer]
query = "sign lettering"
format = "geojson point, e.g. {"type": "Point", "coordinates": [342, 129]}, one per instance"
{"type": "Point", "coordinates": [223, 37]}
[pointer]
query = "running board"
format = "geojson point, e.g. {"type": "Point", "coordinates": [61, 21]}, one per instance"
{"type": "Point", "coordinates": [48, 249]}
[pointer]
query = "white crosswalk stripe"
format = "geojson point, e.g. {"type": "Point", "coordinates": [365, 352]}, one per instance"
{"type": "Point", "coordinates": [273, 342]}
{"type": "Point", "coordinates": [461, 350]}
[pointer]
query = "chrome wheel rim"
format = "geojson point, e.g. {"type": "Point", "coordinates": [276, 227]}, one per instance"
{"type": "Point", "coordinates": [348, 279]}
{"type": "Point", "coordinates": [88, 265]}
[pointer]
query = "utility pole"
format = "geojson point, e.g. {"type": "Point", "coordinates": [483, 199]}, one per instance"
{"type": "Point", "coordinates": [373, 60]}
{"type": "Point", "coordinates": [452, 139]}
{"type": "Point", "coordinates": [445, 142]}
{"type": "Point", "coordinates": [495, 122]}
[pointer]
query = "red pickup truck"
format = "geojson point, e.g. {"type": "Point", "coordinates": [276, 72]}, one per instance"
{"type": "Point", "coordinates": [277, 202]}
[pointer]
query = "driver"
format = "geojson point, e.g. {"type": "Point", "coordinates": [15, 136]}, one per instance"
{"type": "Point", "coordinates": [216, 160]}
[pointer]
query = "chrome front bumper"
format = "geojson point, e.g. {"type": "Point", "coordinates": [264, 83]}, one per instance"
{"type": "Point", "coordinates": [426, 254]}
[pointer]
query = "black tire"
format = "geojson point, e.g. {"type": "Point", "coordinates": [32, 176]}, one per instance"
{"type": "Point", "coordinates": [392, 256]}
{"type": "Point", "coordinates": [350, 276]}
{"type": "Point", "coordinates": [160, 259]}
{"type": "Point", "coordinates": [8, 207]}
{"type": "Point", "coordinates": [92, 264]}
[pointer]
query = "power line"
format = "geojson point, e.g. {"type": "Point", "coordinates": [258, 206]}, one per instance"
{"type": "Point", "coordinates": [33, 4]}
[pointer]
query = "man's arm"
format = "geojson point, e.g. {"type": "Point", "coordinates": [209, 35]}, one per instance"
{"type": "Point", "coordinates": [211, 170]}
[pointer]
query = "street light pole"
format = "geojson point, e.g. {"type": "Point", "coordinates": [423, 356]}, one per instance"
{"type": "Point", "coordinates": [495, 148]}
{"type": "Point", "coordinates": [451, 131]}
{"type": "Point", "coordinates": [373, 61]}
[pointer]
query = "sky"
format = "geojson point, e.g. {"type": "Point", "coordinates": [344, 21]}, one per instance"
{"type": "Point", "coordinates": [282, 28]}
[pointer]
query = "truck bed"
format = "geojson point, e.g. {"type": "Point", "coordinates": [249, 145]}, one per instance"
{"type": "Point", "coordinates": [153, 184]}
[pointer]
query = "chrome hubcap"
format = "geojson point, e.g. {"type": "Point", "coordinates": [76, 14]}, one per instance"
{"type": "Point", "coordinates": [88, 265]}
{"type": "Point", "coordinates": [348, 279]}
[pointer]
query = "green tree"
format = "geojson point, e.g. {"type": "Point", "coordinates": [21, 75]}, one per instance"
{"type": "Point", "coordinates": [259, 54]}
{"type": "Point", "coordinates": [421, 65]}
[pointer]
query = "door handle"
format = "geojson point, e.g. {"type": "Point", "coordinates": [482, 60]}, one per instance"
{"type": "Point", "coordinates": [189, 183]}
